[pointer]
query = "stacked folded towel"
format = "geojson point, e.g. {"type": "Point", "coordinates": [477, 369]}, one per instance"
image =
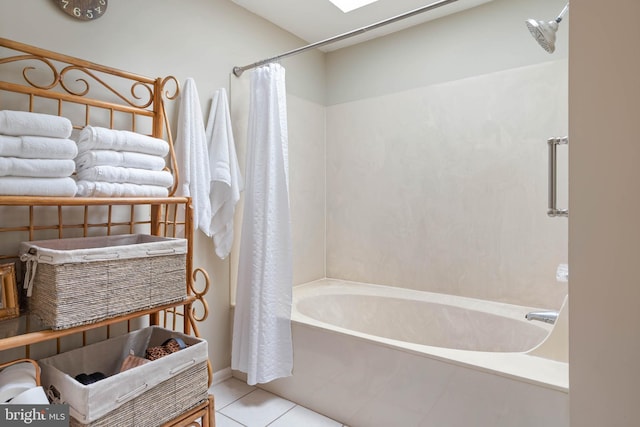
{"type": "Point", "coordinates": [117, 163]}
{"type": "Point", "coordinates": [36, 155]}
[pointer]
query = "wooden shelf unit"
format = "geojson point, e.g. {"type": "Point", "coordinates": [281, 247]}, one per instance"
{"type": "Point", "coordinates": [37, 80]}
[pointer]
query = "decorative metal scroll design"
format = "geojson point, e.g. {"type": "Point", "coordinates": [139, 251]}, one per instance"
{"type": "Point", "coordinates": [141, 93]}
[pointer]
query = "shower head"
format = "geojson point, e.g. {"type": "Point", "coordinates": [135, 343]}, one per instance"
{"type": "Point", "coordinates": [545, 32]}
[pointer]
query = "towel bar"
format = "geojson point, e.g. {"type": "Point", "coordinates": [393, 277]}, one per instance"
{"type": "Point", "coordinates": [553, 211]}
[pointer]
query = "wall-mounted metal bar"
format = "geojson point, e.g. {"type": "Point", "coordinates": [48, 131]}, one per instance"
{"type": "Point", "coordinates": [237, 71]}
{"type": "Point", "coordinates": [553, 143]}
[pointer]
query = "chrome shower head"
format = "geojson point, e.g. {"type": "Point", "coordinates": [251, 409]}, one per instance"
{"type": "Point", "coordinates": [545, 32]}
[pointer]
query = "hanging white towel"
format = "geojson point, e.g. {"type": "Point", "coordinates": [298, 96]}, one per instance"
{"type": "Point", "coordinates": [261, 344]}
{"type": "Point", "coordinates": [18, 123]}
{"type": "Point", "coordinates": [192, 156]}
{"type": "Point", "coordinates": [226, 180]}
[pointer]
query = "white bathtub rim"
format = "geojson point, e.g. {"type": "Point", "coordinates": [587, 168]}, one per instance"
{"type": "Point", "coordinates": [519, 366]}
{"type": "Point", "coordinates": [348, 287]}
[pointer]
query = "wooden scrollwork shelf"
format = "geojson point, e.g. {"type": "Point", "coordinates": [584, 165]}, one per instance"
{"type": "Point", "coordinates": [37, 80]}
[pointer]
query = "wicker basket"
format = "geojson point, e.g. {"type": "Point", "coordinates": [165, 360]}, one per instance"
{"type": "Point", "coordinates": [148, 395]}
{"type": "Point", "coordinates": [84, 280]}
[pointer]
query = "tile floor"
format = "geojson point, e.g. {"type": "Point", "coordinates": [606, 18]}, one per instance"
{"type": "Point", "coordinates": [239, 404]}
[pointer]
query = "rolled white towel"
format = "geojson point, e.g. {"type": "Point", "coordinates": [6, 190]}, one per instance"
{"type": "Point", "coordinates": [125, 159]}
{"type": "Point", "coordinates": [18, 123]}
{"type": "Point", "coordinates": [126, 175]}
{"type": "Point", "coordinates": [114, 189]}
{"type": "Point", "coordinates": [25, 186]}
{"type": "Point", "coordinates": [37, 147]}
{"type": "Point", "coordinates": [39, 168]}
{"type": "Point", "coordinates": [98, 138]}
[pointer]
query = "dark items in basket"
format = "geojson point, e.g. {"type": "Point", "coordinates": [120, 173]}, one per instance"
{"type": "Point", "coordinates": [87, 379]}
{"type": "Point", "coordinates": [169, 346]}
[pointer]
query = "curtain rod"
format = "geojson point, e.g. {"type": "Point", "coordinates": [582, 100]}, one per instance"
{"type": "Point", "coordinates": [237, 71]}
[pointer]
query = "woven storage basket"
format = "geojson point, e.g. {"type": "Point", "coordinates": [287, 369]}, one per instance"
{"type": "Point", "coordinates": [84, 280]}
{"type": "Point", "coordinates": [148, 395]}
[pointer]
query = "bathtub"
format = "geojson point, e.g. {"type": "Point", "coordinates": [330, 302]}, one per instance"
{"type": "Point", "coordinates": [370, 355]}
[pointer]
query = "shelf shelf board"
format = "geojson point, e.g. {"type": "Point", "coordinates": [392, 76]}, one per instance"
{"type": "Point", "coordinates": [49, 334]}
{"type": "Point", "coordinates": [80, 201]}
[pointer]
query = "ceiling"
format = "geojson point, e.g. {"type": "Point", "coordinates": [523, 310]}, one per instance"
{"type": "Point", "coordinates": [316, 20]}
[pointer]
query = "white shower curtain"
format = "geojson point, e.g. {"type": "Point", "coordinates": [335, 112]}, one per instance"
{"type": "Point", "coordinates": [262, 320]}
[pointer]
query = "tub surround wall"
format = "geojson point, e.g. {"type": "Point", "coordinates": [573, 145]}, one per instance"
{"type": "Point", "coordinates": [307, 187]}
{"type": "Point", "coordinates": [443, 188]}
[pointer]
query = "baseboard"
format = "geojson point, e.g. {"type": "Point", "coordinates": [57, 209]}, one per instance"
{"type": "Point", "coordinates": [221, 375]}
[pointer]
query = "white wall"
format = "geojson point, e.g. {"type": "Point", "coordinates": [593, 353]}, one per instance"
{"type": "Point", "coordinates": [604, 205]}
{"type": "Point", "coordinates": [437, 157]}
{"type": "Point", "coordinates": [481, 40]}
{"type": "Point", "coordinates": [202, 39]}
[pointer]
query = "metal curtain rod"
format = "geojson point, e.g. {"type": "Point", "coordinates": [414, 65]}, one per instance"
{"type": "Point", "coordinates": [239, 70]}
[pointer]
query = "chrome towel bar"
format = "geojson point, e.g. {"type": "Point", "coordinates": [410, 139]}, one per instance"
{"type": "Point", "coordinates": [553, 143]}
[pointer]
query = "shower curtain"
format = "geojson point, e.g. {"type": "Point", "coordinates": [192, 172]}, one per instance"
{"type": "Point", "coordinates": [261, 344]}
